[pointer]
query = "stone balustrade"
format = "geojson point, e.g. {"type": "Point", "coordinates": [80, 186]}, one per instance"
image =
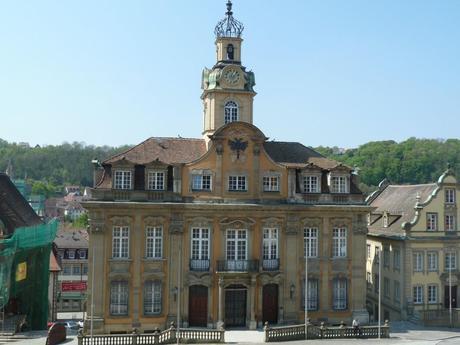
{"type": "Point", "coordinates": [297, 332]}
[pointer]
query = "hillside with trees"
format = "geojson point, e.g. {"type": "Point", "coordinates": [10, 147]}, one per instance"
{"type": "Point", "coordinates": [410, 161]}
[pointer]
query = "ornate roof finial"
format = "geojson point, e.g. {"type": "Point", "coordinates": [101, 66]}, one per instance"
{"type": "Point", "coordinates": [229, 26]}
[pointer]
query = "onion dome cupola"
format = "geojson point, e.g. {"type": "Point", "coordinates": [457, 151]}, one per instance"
{"type": "Point", "coordinates": [228, 88]}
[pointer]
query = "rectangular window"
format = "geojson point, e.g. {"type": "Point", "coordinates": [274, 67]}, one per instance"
{"type": "Point", "coordinates": [339, 184]}
{"type": "Point", "coordinates": [450, 196]}
{"type": "Point", "coordinates": [340, 294]}
{"type": "Point", "coordinates": [449, 222]}
{"type": "Point", "coordinates": [119, 298]}
{"type": "Point", "coordinates": [123, 179]}
{"type": "Point", "coordinates": [450, 261]}
{"type": "Point", "coordinates": [385, 221]}
{"type": "Point", "coordinates": [82, 253]}
{"type": "Point", "coordinates": [120, 242]}
{"type": "Point", "coordinates": [200, 244]}
{"type": "Point", "coordinates": [270, 243]}
{"type": "Point", "coordinates": [418, 294]}
{"type": "Point", "coordinates": [310, 184]}
{"type": "Point", "coordinates": [376, 255]}
{"type": "Point", "coordinates": [397, 259]}
{"type": "Point", "coordinates": [310, 242]}
{"type": "Point", "coordinates": [154, 242]}
{"type": "Point", "coordinates": [71, 254]}
{"type": "Point", "coordinates": [368, 251]}
{"type": "Point", "coordinates": [418, 262]}
{"type": "Point", "coordinates": [201, 182]}
{"type": "Point", "coordinates": [431, 221]}
{"type": "Point", "coordinates": [432, 294]}
{"type": "Point", "coordinates": [397, 291]}
{"type": "Point", "coordinates": [312, 295]}
{"type": "Point", "coordinates": [369, 280]}
{"type": "Point", "coordinates": [156, 180]}
{"type": "Point", "coordinates": [236, 245]}
{"type": "Point", "coordinates": [386, 258]}
{"type": "Point", "coordinates": [85, 269]}
{"type": "Point", "coordinates": [271, 183]}
{"type": "Point", "coordinates": [339, 242]}
{"type": "Point", "coordinates": [76, 270]}
{"type": "Point", "coordinates": [237, 183]}
{"type": "Point", "coordinates": [376, 283]}
{"type": "Point", "coordinates": [386, 287]}
{"type": "Point", "coordinates": [67, 270]}
{"type": "Point", "coordinates": [432, 258]}
{"type": "Point", "coordinates": [152, 297]}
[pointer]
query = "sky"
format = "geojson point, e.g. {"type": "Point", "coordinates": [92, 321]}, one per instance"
{"type": "Point", "coordinates": [331, 73]}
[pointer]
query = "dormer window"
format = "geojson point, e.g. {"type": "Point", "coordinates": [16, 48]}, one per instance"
{"type": "Point", "coordinates": [339, 184]}
{"type": "Point", "coordinates": [385, 220]}
{"type": "Point", "coordinates": [231, 112]}
{"type": "Point", "coordinates": [71, 254]}
{"type": "Point", "coordinates": [311, 184]}
{"type": "Point", "coordinates": [123, 179]}
{"type": "Point", "coordinates": [156, 180]}
{"type": "Point", "coordinates": [450, 196]}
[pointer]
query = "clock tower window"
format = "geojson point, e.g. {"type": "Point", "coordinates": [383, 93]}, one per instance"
{"type": "Point", "coordinates": [230, 52]}
{"type": "Point", "coordinates": [231, 112]}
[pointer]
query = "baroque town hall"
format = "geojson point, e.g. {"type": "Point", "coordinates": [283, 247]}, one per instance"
{"type": "Point", "coordinates": [218, 227]}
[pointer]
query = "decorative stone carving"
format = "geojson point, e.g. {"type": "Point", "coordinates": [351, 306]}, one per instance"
{"type": "Point", "coordinates": [201, 222]}
{"type": "Point", "coordinates": [177, 224]}
{"type": "Point", "coordinates": [154, 221]}
{"type": "Point", "coordinates": [121, 220]}
{"type": "Point", "coordinates": [237, 223]}
{"type": "Point", "coordinates": [312, 222]}
{"type": "Point", "coordinates": [271, 222]}
{"type": "Point", "coordinates": [292, 225]}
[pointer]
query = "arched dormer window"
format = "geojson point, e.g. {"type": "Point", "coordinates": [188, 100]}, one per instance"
{"type": "Point", "coordinates": [230, 52]}
{"type": "Point", "coordinates": [231, 112]}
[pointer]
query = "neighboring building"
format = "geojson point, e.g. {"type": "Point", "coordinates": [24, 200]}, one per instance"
{"type": "Point", "coordinates": [72, 189]}
{"type": "Point", "coordinates": [221, 225]}
{"type": "Point", "coordinates": [73, 210]}
{"type": "Point", "coordinates": [72, 251]}
{"type": "Point", "coordinates": [54, 269]}
{"type": "Point", "coordinates": [416, 226]}
{"type": "Point", "coordinates": [37, 202]}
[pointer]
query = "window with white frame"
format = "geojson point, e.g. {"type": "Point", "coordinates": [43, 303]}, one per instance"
{"type": "Point", "coordinates": [432, 261]}
{"type": "Point", "coordinates": [431, 221]}
{"type": "Point", "coordinates": [449, 222]}
{"type": "Point", "coordinates": [340, 294]}
{"type": "Point", "coordinates": [231, 112]}
{"type": "Point", "coordinates": [119, 298]}
{"type": "Point", "coordinates": [386, 287]}
{"type": "Point", "coordinates": [417, 258]}
{"type": "Point", "coordinates": [71, 254]}
{"type": "Point", "coordinates": [450, 196]}
{"type": "Point", "coordinates": [201, 182]}
{"type": "Point", "coordinates": [339, 184]}
{"type": "Point", "coordinates": [82, 253]}
{"type": "Point", "coordinates": [122, 179]}
{"type": "Point", "coordinates": [432, 294]}
{"type": "Point", "coordinates": [397, 259]}
{"type": "Point", "coordinates": [120, 242]}
{"type": "Point", "coordinates": [237, 183]}
{"type": "Point", "coordinates": [310, 242]}
{"type": "Point", "coordinates": [236, 245]}
{"type": "Point", "coordinates": [397, 291]}
{"type": "Point", "coordinates": [156, 180]}
{"type": "Point", "coordinates": [312, 294]}
{"type": "Point", "coordinates": [339, 242]}
{"type": "Point", "coordinates": [152, 297]}
{"type": "Point", "coordinates": [311, 184]}
{"type": "Point", "coordinates": [417, 295]}
{"type": "Point", "coordinates": [270, 243]}
{"type": "Point", "coordinates": [271, 183]}
{"type": "Point", "coordinates": [450, 261]}
{"type": "Point", "coordinates": [200, 243]}
{"type": "Point", "coordinates": [154, 242]}
{"type": "Point", "coordinates": [369, 280]}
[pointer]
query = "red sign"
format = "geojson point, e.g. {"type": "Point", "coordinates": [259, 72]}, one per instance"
{"type": "Point", "coordinates": [73, 286]}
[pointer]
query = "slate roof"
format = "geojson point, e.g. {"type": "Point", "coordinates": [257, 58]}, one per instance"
{"type": "Point", "coordinates": [71, 238]}
{"type": "Point", "coordinates": [399, 201]}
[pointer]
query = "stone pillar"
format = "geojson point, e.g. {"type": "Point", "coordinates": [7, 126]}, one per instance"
{"type": "Point", "coordinates": [256, 171]}
{"type": "Point", "coordinates": [220, 311]}
{"type": "Point", "coordinates": [291, 260]}
{"type": "Point", "coordinates": [176, 230]}
{"type": "Point", "coordinates": [253, 323]}
{"type": "Point", "coordinates": [218, 183]}
{"type": "Point", "coordinates": [136, 237]}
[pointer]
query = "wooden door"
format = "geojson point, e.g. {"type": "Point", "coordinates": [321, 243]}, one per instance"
{"type": "Point", "coordinates": [270, 304]}
{"type": "Point", "coordinates": [235, 307]}
{"type": "Point", "coordinates": [198, 306]}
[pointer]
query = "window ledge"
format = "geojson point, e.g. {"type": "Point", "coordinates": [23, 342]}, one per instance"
{"type": "Point", "coordinates": [120, 260]}
{"type": "Point", "coordinates": [153, 259]}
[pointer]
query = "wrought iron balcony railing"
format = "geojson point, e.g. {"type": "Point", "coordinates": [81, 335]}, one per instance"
{"type": "Point", "coordinates": [271, 264]}
{"type": "Point", "coordinates": [199, 265]}
{"type": "Point", "coordinates": [237, 265]}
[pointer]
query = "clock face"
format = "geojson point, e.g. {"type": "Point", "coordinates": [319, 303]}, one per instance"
{"type": "Point", "coordinates": [232, 76]}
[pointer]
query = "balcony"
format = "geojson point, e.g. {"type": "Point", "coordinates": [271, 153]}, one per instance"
{"type": "Point", "coordinates": [238, 265]}
{"type": "Point", "coordinates": [199, 265]}
{"type": "Point", "coordinates": [330, 199]}
{"type": "Point", "coordinates": [134, 195]}
{"type": "Point", "coordinates": [271, 264]}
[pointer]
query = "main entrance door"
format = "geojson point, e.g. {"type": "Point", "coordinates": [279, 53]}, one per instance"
{"type": "Point", "coordinates": [270, 303]}
{"type": "Point", "coordinates": [235, 306]}
{"type": "Point", "coordinates": [447, 295]}
{"type": "Point", "coordinates": [198, 306]}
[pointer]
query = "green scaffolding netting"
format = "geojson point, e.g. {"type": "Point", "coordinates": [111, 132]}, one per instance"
{"type": "Point", "coordinates": [24, 272]}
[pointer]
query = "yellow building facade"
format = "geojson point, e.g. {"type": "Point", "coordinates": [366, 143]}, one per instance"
{"type": "Point", "coordinates": [415, 227]}
{"type": "Point", "coordinates": [214, 231]}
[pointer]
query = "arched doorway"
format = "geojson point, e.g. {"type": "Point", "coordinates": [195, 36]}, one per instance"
{"type": "Point", "coordinates": [235, 306]}
{"type": "Point", "coordinates": [270, 303]}
{"type": "Point", "coordinates": [198, 306]}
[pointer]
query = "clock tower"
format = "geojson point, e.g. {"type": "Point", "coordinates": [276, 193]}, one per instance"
{"type": "Point", "coordinates": [228, 89]}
